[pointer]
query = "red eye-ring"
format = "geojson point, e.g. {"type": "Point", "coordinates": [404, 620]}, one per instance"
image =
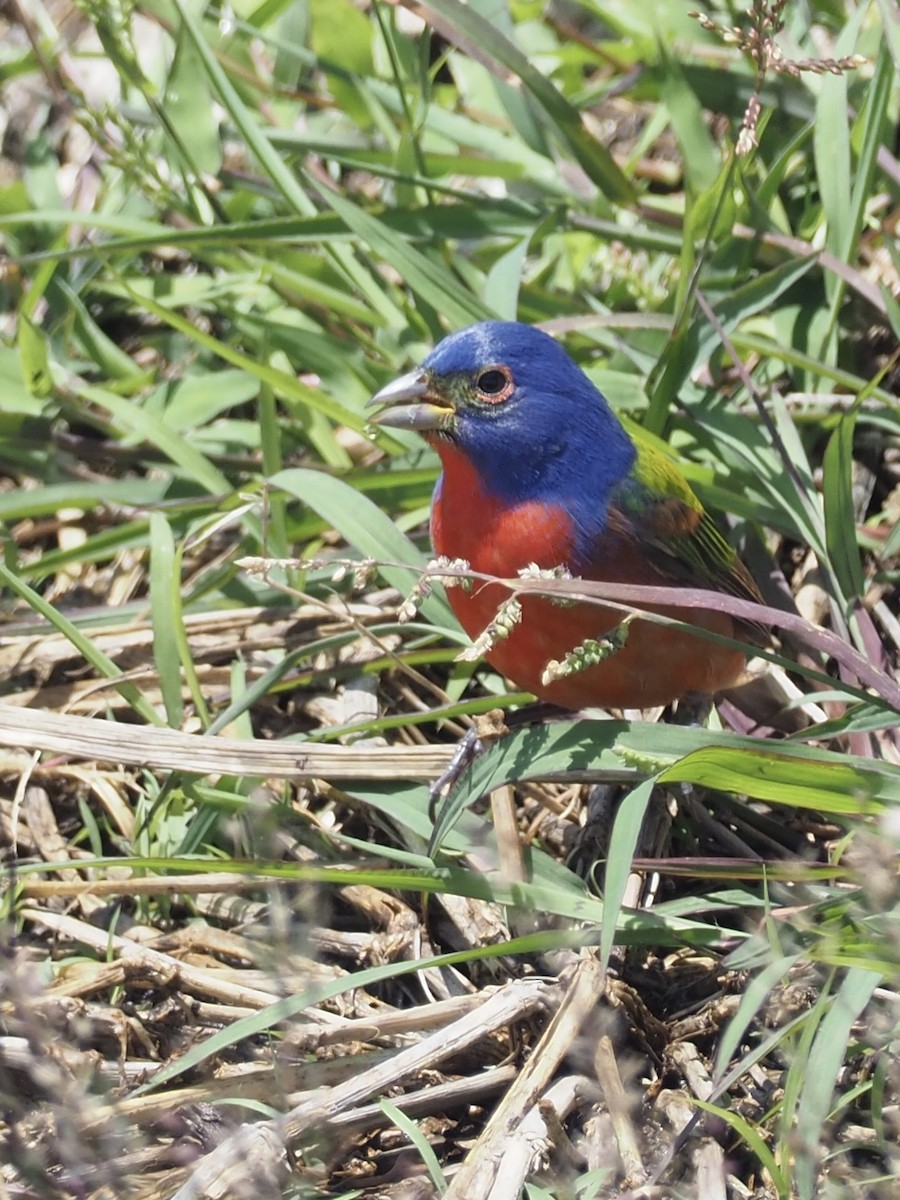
{"type": "Point", "coordinates": [494, 385]}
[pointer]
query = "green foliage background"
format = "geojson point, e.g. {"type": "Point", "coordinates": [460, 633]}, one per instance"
{"type": "Point", "coordinates": [227, 227]}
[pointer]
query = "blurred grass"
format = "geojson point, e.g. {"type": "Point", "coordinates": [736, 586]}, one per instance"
{"type": "Point", "coordinates": [224, 229]}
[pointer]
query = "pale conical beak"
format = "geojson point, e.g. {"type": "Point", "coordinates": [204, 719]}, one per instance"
{"type": "Point", "coordinates": [411, 402]}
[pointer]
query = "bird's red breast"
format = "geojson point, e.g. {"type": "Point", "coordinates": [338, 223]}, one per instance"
{"type": "Point", "coordinates": [656, 665]}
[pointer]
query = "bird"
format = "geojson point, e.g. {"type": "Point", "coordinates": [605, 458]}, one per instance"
{"type": "Point", "coordinates": [538, 471]}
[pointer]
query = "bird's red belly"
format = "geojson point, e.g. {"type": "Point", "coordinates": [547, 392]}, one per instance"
{"type": "Point", "coordinates": [656, 665]}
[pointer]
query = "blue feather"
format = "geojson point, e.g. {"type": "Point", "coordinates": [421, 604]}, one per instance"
{"type": "Point", "coordinates": [555, 439]}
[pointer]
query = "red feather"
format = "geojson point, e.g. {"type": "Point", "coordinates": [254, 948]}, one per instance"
{"type": "Point", "coordinates": [657, 664]}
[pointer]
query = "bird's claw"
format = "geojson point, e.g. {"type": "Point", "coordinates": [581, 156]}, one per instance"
{"type": "Point", "coordinates": [468, 748]}
{"type": "Point", "coordinates": [485, 729]}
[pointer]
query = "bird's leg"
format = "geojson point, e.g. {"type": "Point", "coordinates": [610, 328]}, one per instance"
{"type": "Point", "coordinates": [467, 749]}
{"type": "Point", "coordinates": [691, 712]}
{"type": "Point", "coordinates": [485, 729]}
{"type": "Point", "coordinates": [592, 843]}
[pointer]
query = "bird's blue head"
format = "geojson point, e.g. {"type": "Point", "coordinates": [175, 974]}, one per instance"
{"type": "Point", "coordinates": [528, 419]}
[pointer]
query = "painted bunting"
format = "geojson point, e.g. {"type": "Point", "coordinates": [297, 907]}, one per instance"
{"type": "Point", "coordinates": [538, 469]}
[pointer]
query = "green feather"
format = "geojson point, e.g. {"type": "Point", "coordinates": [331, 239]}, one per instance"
{"type": "Point", "coordinates": [658, 507]}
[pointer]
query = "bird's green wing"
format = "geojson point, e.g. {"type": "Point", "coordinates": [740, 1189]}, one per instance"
{"type": "Point", "coordinates": [656, 506]}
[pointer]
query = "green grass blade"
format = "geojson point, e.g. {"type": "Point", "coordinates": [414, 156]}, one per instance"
{"type": "Point", "coordinates": [485, 39]}
{"type": "Point", "coordinates": [135, 421]}
{"type": "Point", "coordinates": [366, 527]}
{"type": "Point", "coordinates": [101, 662]}
{"type": "Point", "coordinates": [429, 279]}
{"type": "Point", "coordinates": [419, 1141]}
{"type": "Point", "coordinates": [165, 614]}
{"type": "Point", "coordinates": [827, 1053]}
{"type": "Point", "coordinates": [622, 844]}
{"type": "Point", "coordinates": [840, 514]}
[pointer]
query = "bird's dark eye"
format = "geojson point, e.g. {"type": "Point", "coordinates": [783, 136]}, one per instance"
{"type": "Point", "coordinates": [494, 384]}
{"type": "Point", "coordinates": [491, 382]}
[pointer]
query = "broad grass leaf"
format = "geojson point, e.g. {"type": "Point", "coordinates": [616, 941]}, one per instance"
{"type": "Point", "coordinates": [539, 749]}
{"type": "Point", "coordinates": [840, 514]}
{"type": "Point", "coordinates": [165, 613]}
{"type": "Point", "coordinates": [34, 356]}
{"type": "Point", "coordinates": [98, 659]}
{"type": "Point", "coordinates": [368, 529]}
{"type": "Point", "coordinates": [764, 775]}
{"type": "Point", "coordinates": [890, 24]}
{"type": "Point", "coordinates": [658, 747]}
{"type": "Point", "coordinates": [755, 1141]}
{"type": "Point", "coordinates": [51, 497]}
{"type": "Point", "coordinates": [753, 999]}
{"type": "Point", "coordinates": [872, 130]}
{"type": "Point", "coordinates": [406, 806]}
{"type": "Point", "coordinates": [501, 291]}
{"type": "Point", "coordinates": [625, 833]}
{"type": "Point", "coordinates": [831, 142]}
{"type": "Point", "coordinates": [96, 548]}
{"type": "Point", "coordinates": [594, 158]}
{"type": "Point", "coordinates": [846, 201]}
{"type": "Point", "coordinates": [700, 154]}
{"type": "Point", "coordinates": [134, 420]}
{"type": "Point", "coordinates": [826, 1055]}
{"type": "Point", "coordinates": [190, 110]}
{"type": "Point", "coordinates": [834, 173]}
{"type": "Point", "coordinates": [341, 33]}
{"type": "Point", "coordinates": [198, 399]}
{"type": "Point", "coordinates": [418, 1140]}
{"type": "Point", "coordinates": [110, 359]}
{"type": "Point", "coordinates": [501, 216]}
{"type": "Point", "coordinates": [700, 339]}
{"type": "Point", "coordinates": [274, 1015]}
{"type": "Point", "coordinates": [292, 60]}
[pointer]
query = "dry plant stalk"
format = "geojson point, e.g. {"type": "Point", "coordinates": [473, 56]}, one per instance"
{"type": "Point", "coordinates": [757, 40]}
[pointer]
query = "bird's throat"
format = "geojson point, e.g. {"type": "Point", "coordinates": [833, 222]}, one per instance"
{"type": "Point", "coordinates": [493, 534]}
